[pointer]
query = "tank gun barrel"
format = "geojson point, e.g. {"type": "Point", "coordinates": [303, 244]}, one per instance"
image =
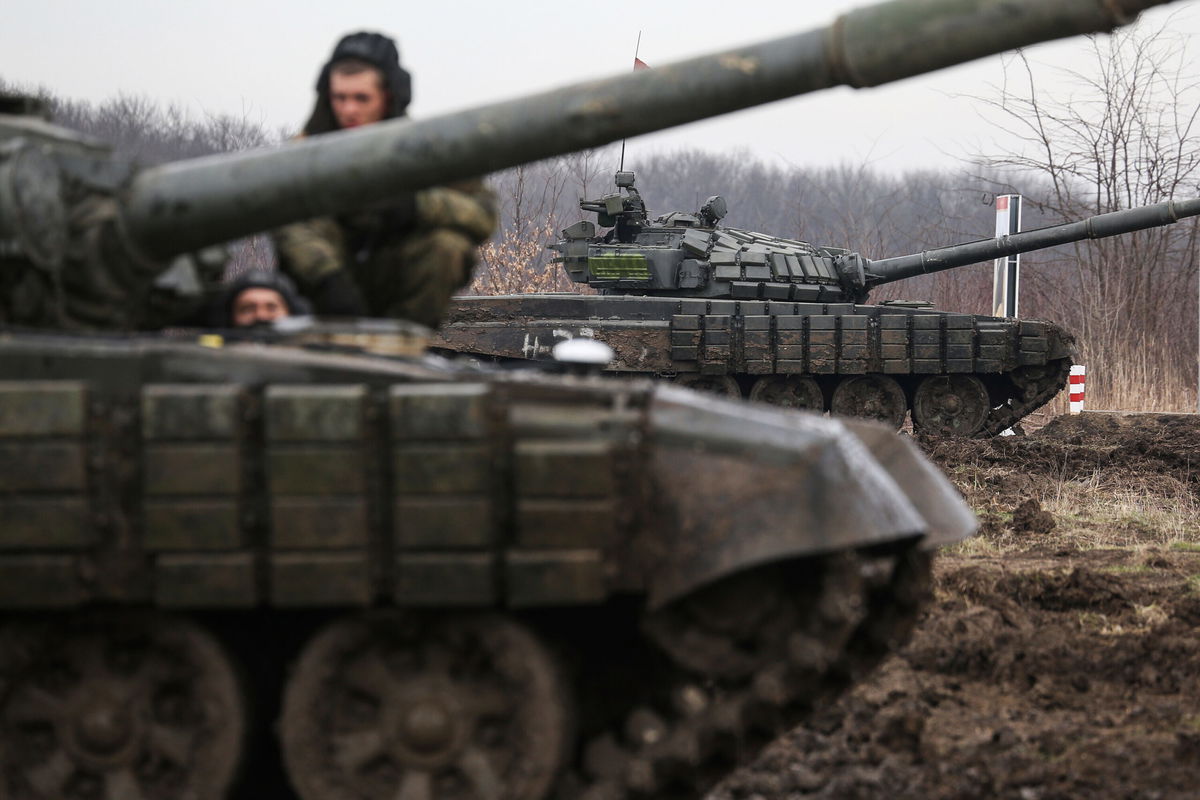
{"type": "Point", "coordinates": [180, 207]}
{"type": "Point", "coordinates": [1114, 223]}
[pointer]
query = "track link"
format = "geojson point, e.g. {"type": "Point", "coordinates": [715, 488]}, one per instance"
{"type": "Point", "coordinates": [707, 725]}
{"type": "Point", "coordinates": [1037, 392]}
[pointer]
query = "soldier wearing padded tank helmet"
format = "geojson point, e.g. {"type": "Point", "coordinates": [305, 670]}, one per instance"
{"type": "Point", "coordinates": [403, 259]}
{"type": "Point", "coordinates": [361, 83]}
{"type": "Point", "coordinates": [257, 297]}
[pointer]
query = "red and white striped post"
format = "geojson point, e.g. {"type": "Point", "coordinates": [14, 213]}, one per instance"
{"type": "Point", "coordinates": [1078, 373]}
{"type": "Point", "coordinates": [1006, 282]}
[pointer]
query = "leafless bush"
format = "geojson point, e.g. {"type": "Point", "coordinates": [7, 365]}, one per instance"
{"type": "Point", "coordinates": [535, 201]}
{"type": "Point", "coordinates": [515, 262]}
{"type": "Point", "coordinates": [148, 132]}
{"type": "Point", "coordinates": [1126, 136]}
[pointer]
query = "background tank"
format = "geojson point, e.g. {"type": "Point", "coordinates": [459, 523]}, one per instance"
{"type": "Point", "coordinates": [438, 581]}
{"type": "Point", "coordinates": [781, 320]}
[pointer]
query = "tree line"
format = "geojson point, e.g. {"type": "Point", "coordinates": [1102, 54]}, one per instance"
{"type": "Point", "coordinates": [1126, 137]}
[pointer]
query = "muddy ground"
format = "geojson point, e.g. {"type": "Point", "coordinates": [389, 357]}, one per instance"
{"type": "Point", "coordinates": [1061, 655]}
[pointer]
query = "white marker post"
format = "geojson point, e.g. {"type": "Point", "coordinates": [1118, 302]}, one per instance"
{"type": "Point", "coordinates": [1075, 388]}
{"type": "Point", "coordinates": [1006, 280]}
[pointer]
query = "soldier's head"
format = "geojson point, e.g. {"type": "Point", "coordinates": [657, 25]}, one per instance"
{"type": "Point", "coordinates": [259, 296]}
{"type": "Point", "coordinates": [358, 93]}
{"type": "Point", "coordinates": [361, 83]}
{"type": "Point", "coordinates": [255, 305]}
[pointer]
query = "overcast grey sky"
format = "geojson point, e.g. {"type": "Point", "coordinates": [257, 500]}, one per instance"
{"type": "Point", "coordinates": [260, 57]}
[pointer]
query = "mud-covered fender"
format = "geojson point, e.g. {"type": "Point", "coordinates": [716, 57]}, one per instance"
{"type": "Point", "coordinates": [1061, 344]}
{"type": "Point", "coordinates": [737, 485]}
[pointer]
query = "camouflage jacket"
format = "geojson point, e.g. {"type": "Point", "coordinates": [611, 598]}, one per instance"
{"type": "Point", "coordinates": [406, 259]}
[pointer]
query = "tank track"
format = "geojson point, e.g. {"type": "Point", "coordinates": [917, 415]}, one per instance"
{"type": "Point", "coordinates": [1032, 388]}
{"type": "Point", "coordinates": [708, 727]}
{"type": "Point", "coordinates": [1038, 386]}
{"type": "Point", "coordinates": [729, 670]}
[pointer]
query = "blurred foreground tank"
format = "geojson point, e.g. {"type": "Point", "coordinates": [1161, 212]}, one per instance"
{"type": "Point", "coordinates": [432, 581]}
{"type": "Point", "coordinates": [781, 320]}
{"type": "Point", "coordinates": [486, 585]}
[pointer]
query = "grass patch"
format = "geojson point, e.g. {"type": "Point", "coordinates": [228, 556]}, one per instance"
{"type": "Point", "coordinates": [1096, 501]}
{"type": "Point", "coordinates": [1100, 624]}
{"type": "Point", "coordinates": [1093, 514]}
{"type": "Point", "coordinates": [1152, 615]}
{"type": "Point", "coordinates": [1148, 616]}
{"type": "Point", "coordinates": [1127, 569]}
{"type": "Point", "coordinates": [1092, 621]}
{"type": "Point", "coordinates": [977, 545]}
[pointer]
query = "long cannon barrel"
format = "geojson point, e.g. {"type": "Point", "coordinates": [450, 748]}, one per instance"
{"type": "Point", "coordinates": [182, 206]}
{"type": "Point", "coordinates": [887, 270]}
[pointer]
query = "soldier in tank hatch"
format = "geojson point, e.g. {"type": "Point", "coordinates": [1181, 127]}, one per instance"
{"type": "Point", "coordinates": [256, 297]}
{"type": "Point", "coordinates": [404, 259]}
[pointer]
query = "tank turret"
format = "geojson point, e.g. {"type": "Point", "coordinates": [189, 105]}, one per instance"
{"type": "Point", "coordinates": [690, 255]}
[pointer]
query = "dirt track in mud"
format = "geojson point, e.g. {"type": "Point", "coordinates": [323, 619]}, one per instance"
{"type": "Point", "coordinates": [1061, 655]}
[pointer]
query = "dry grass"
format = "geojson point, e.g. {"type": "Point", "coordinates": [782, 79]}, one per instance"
{"type": "Point", "coordinates": [979, 546]}
{"type": "Point", "coordinates": [1133, 514]}
{"type": "Point", "coordinates": [1145, 617]}
{"type": "Point", "coordinates": [1143, 376]}
{"type": "Point", "coordinates": [1100, 511]}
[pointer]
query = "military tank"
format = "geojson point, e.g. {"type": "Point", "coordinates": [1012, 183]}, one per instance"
{"type": "Point", "coordinates": [486, 585]}
{"type": "Point", "coordinates": [431, 580]}
{"type": "Point", "coordinates": [783, 321]}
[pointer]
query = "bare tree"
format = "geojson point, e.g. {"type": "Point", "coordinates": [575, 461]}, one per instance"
{"type": "Point", "coordinates": [1126, 136]}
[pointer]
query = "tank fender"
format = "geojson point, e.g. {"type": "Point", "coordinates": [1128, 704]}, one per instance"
{"type": "Point", "coordinates": [931, 493]}
{"type": "Point", "coordinates": [1061, 344]}
{"type": "Point", "coordinates": [737, 485]}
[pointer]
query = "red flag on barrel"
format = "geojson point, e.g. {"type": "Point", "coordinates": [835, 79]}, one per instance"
{"type": "Point", "coordinates": [639, 64]}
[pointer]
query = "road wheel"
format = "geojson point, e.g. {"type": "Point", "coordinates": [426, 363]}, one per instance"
{"type": "Point", "coordinates": [411, 706]}
{"type": "Point", "coordinates": [951, 405]}
{"type": "Point", "coordinates": [117, 707]}
{"type": "Point", "coordinates": [789, 391]}
{"type": "Point", "coordinates": [872, 397]}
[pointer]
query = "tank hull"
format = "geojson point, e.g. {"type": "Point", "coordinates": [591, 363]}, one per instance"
{"type": "Point", "coordinates": [747, 346]}
{"type": "Point", "coordinates": [346, 570]}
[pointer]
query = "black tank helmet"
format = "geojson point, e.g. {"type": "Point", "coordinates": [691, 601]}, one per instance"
{"type": "Point", "coordinates": [222, 315]}
{"type": "Point", "coordinates": [376, 49]}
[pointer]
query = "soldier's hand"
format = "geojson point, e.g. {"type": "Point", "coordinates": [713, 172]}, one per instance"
{"type": "Point", "coordinates": [471, 216]}
{"type": "Point", "coordinates": [454, 252]}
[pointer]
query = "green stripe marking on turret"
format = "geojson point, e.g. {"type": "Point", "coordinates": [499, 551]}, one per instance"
{"type": "Point", "coordinates": [625, 267]}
